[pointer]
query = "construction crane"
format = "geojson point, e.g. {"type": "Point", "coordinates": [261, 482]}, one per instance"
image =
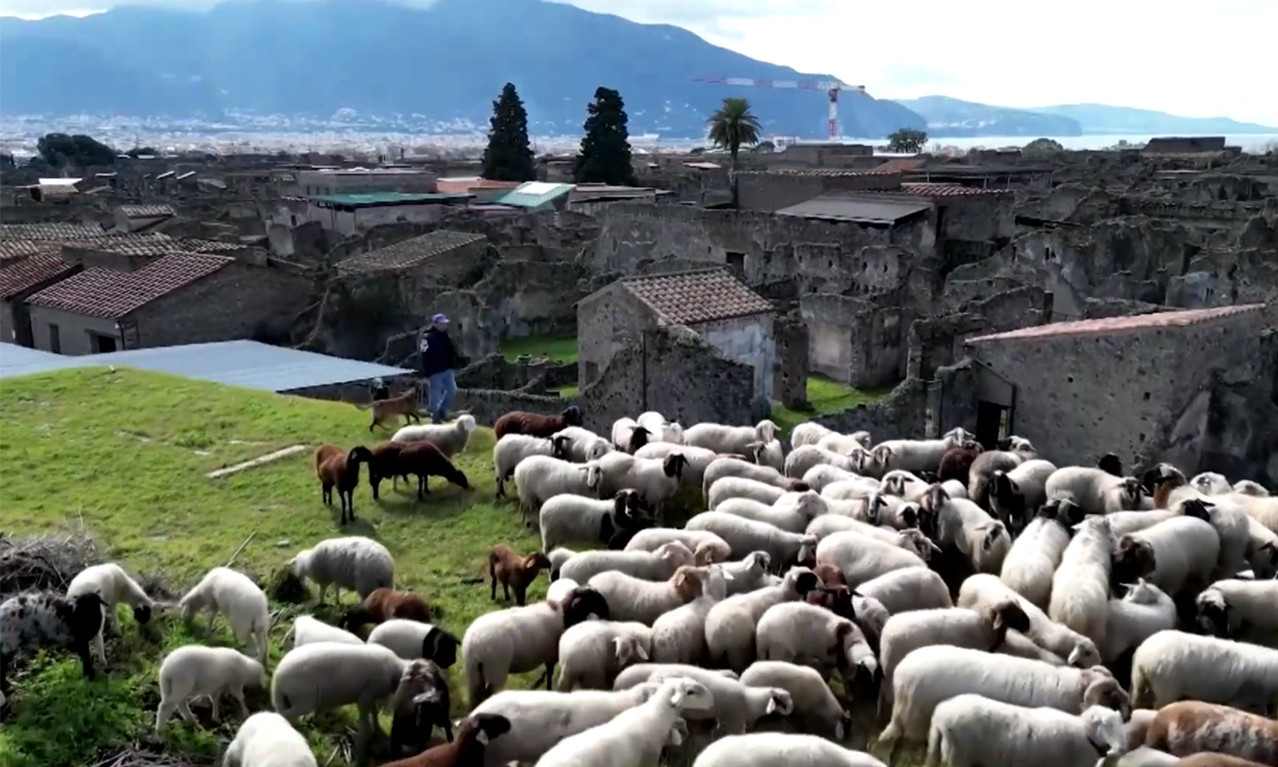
{"type": "Point", "coordinates": [831, 87]}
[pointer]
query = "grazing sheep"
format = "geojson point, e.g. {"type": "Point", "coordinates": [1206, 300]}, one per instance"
{"type": "Point", "coordinates": [1096, 490]}
{"type": "Point", "coordinates": [382, 605]}
{"type": "Point", "coordinates": [520, 639]}
{"type": "Point", "coordinates": [803, 459]}
{"type": "Point", "coordinates": [962, 525]}
{"type": "Point", "coordinates": [114, 586]}
{"type": "Point", "coordinates": [579, 445]}
{"type": "Point", "coordinates": [729, 439]}
{"type": "Point", "coordinates": [659, 427]}
{"type": "Point", "coordinates": [1176, 555]}
{"type": "Point", "coordinates": [956, 463]}
{"type": "Point", "coordinates": [634, 599]}
{"type": "Point", "coordinates": [474, 735]}
{"type": "Point", "coordinates": [1036, 553]}
{"type": "Point", "coordinates": [861, 558]}
{"type": "Point", "coordinates": [1075, 648]}
{"type": "Point", "coordinates": [730, 624]}
{"type": "Point", "coordinates": [266, 739]}
{"type": "Point", "coordinates": [514, 571]}
{"type": "Point", "coordinates": [792, 512]}
{"type": "Point", "coordinates": [743, 487]}
{"type": "Point", "coordinates": [728, 466]}
{"type": "Point", "coordinates": [910, 588]}
{"type": "Point", "coordinates": [536, 424]}
{"type": "Point", "coordinates": [809, 433]}
{"type": "Point", "coordinates": [411, 640]}
{"type": "Point", "coordinates": [656, 565]}
{"type": "Point", "coordinates": [329, 675]}
{"type": "Point", "coordinates": [591, 654]}
{"type": "Point", "coordinates": [1191, 727]}
{"type": "Point", "coordinates": [1081, 584]}
{"type": "Point", "coordinates": [1240, 610]}
{"type": "Point", "coordinates": [352, 562]}
{"type": "Point", "coordinates": [423, 460]}
{"type": "Point", "coordinates": [307, 629]}
{"type": "Point", "coordinates": [540, 478]}
{"type": "Point", "coordinates": [765, 749]}
{"type": "Point", "coordinates": [420, 703]}
{"type": "Point", "coordinates": [1015, 495]}
{"type": "Point", "coordinates": [569, 518]}
{"type": "Point", "coordinates": [736, 706]}
{"type": "Point", "coordinates": [972, 730]}
{"type": "Point", "coordinates": [1171, 665]}
{"type": "Point", "coordinates": [697, 459]}
{"type": "Point", "coordinates": [235, 595]}
{"type": "Point", "coordinates": [192, 671]}
{"type": "Point", "coordinates": [679, 636]}
{"type": "Point", "coordinates": [816, 710]}
{"type": "Point", "coordinates": [511, 449]}
{"type": "Point", "coordinates": [39, 619]}
{"type": "Point", "coordinates": [705, 546]}
{"type": "Point", "coordinates": [656, 481]}
{"type": "Point", "coordinates": [813, 636]}
{"type": "Point", "coordinates": [930, 675]}
{"type": "Point", "coordinates": [744, 535]}
{"type": "Point", "coordinates": [1142, 612]}
{"type": "Point", "coordinates": [335, 467]}
{"type": "Point", "coordinates": [450, 438]}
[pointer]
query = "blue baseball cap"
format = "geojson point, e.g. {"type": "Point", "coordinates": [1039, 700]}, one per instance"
{"type": "Point", "coordinates": [440, 319]}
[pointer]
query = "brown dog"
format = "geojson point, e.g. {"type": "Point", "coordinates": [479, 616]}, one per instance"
{"type": "Point", "coordinates": [405, 404]}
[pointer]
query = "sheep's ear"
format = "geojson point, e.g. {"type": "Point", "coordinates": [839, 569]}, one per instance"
{"type": "Point", "coordinates": [1074, 655]}
{"type": "Point", "coordinates": [676, 697]}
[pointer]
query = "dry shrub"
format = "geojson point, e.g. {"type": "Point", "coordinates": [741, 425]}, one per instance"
{"type": "Point", "coordinates": [43, 562]}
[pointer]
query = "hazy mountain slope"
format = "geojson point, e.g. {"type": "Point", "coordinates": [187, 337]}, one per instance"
{"type": "Point", "coordinates": [1099, 119]}
{"type": "Point", "coordinates": [947, 117]}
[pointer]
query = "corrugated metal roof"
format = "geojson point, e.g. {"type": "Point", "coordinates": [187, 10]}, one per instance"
{"type": "Point", "coordinates": [703, 295]}
{"type": "Point", "coordinates": [236, 363]}
{"type": "Point", "coordinates": [860, 209]}
{"type": "Point", "coordinates": [372, 199]}
{"type": "Point", "coordinates": [409, 252]}
{"type": "Point", "coordinates": [533, 194]}
{"type": "Point", "coordinates": [1107, 325]}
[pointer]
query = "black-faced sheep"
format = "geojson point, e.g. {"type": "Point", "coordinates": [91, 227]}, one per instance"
{"type": "Point", "coordinates": [536, 424]}
{"type": "Point", "coordinates": [337, 468]}
{"type": "Point", "coordinates": [513, 571]}
{"type": "Point", "coordinates": [109, 581]}
{"type": "Point", "coordinates": [419, 704]}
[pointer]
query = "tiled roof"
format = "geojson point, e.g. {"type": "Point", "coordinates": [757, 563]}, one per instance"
{"type": "Point", "coordinates": [688, 298]}
{"type": "Point", "coordinates": [192, 245]}
{"type": "Point", "coordinates": [16, 250]}
{"type": "Point", "coordinates": [806, 172]}
{"type": "Point", "coordinates": [465, 185]}
{"type": "Point", "coordinates": [148, 211]}
{"type": "Point", "coordinates": [1108, 325]}
{"type": "Point", "coordinates": [49, 231]}
{"type": "Point", "coordinates": [938, 189]}
{"type": "Point", "coordinates": [109, 294]}
{"type": "Point", "coordinates": [898, 165]}
{"type": "Point", "coordinates": [409, 253]}
{"type": "Point", "coordinates": [30, 272]}
{"type": "Point", "coordinates": [131, 244]}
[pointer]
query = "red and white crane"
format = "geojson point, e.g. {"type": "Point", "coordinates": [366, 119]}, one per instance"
{"type": "Point", "coordinates": [831, 87]}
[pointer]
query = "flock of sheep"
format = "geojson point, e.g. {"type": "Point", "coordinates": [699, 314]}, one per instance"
{"type": "Point", "coordinates": [987, 604]}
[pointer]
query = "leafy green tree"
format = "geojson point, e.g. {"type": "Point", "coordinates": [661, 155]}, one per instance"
{"type": "Point", "coordinates": [60, 150]}
{"type": "Point", "coordinates": [733, 126]}
{"type": "Point", "coordinates": [907, 140]}
{"type": "Point", "coordinates": [508, 156]}
{"type": "Point", "coordinates": [604, 157]}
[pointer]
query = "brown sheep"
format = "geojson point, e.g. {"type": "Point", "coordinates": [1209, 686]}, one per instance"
{"type": "Point", "coordinates": [422, 459]}
{"type": "Point", "coordinates": [513, 571]}
{"type": "Point", "coordinates": [381, 605]}
{"type": "Point", "coordinates": [836, 599]}
{"type": "Point", "coordinates": [336, 468]}
{"type": "Point", "coordinates": [957, 462]}
{"type": "Point", "coordinates": [385, 464]}
{"type": "Point", "coordinates": [1191, 727]}
{"type": "Point", "coordinates": [830, 575]}
{"type": "Point", "coordinates": [1217, 760]}
{"type": "Point", "coordinates": [405, 404]}
{"type": "Point", "coordinates": [536, 424]}
{"type": "Point", "coordinates": [467, 751]}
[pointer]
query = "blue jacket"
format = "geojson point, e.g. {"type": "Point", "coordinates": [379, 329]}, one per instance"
{"type": "Point", "coordinates": [437, 352]}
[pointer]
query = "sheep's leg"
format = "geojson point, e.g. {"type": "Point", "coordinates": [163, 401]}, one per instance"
{"type": "Point", "coordinates": [99, 646]}
{"type": "Point", "coordinates": [216, 715]}
{"type": "Point", "coordinates": [86, 659]}
{"type": "Point", "coordinates": [505, 591]}
{"type": "Point", "coordinates": [501, 488]}
{"type": "Point", "coordinates": [550, 674]}
{"type": "Point", "coordinates": [184, 709]}
{"type": "Point", "coordinates": [492, 573]}
{"type": "Point", "coordinates": [521, 595]}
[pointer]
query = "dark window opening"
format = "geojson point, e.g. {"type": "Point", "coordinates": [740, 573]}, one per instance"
{"type": "Point", "coordinates": [1147, 396]}
{"type": "Point", "coordinates": [103, 343]}
{"type": "Point", "coordinates": [55, 339]}
{"type": "Point", "coordinates": [736, 262]}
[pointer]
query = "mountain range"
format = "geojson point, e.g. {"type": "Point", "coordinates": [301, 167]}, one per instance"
{"type": "Point", "coordinates": [444, 64]}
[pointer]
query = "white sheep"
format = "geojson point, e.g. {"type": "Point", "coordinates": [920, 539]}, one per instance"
{"type": "Point", "coordinates": [1264, 549]}
{"type": "Point", "coordinates": [351, 562]}
{"type": "Point", "coordinates": [791, 512]}
{"type": "Point", "coordinates": [1095, 490]}
{"type": "Point", "coordinates": [816, 710]}
{"type": "Point", "coordinates": [765, 749]}
{"type": "Point", "coordinates": [848, 444]}
{"type": "Point", "coordinates": [110, 582]}
{"type": "Point", "coordinates": [569, 518]}
{"type": "Point", "coordinates": [1036, 553]}
{"type": "Point", "coordinates": [813, 636]}
{"type": "Point", "coordinates": [729, 439]}
{"type": "Point", "coordinates": [861, 558]}
{"type": "Point", "coordinates": [1230, 520]}
{"type": "Point", "coordinates": [736, 706]}
{"type": "Point", "coordinates": [839, 486]}
{"type": "Point", "coordinates": [803, 459]}
{"type": "Point", "coordinates": [329, 675]}
{"type": "Point", "coordinates": [266, 739]}
{"type": "Point", "coordinates": [236, 596]}
{"type": "Point", "coordinates": [808, 433]}
{"type": "Point", "coordinates": [635, 737]}
{"type": "Point", "coordinates": [1142, 756]}
{"type": "Point", "coordinates": [579, 445]}
{"type": "Point", "coordinates": [698, 460]}
{"type": "Point", "coordinates": [1015, 495]}
{"type": "Point", "coordinates": [307, 629]}
{"type": "Point", "coordinates": [1171, 665]}
{"type": "Point", "coordinates": [591, 654]}
{"type": "Point", "coordinates": [930, 675]}
{"type": "Point", "coordinates": [1125, 522]}
{"type": "Point", "coordinates": [1142, 612]}
{"type": "Point", "coordinates": [656, 565]}
{"type": "Point", "coordinates": [728, 466]}
{"type": "Point", "coordinates": [1250, 487]}
{"type": "Point", "coordinates": [540, 478]}
{"type": "Point", "coordinates": [656, 480]}
{"type": "Point", "coordinates": [743, 487]}
{"type": "Point", "coordinates": [511, 449]}
{"type": "Point", "coordinates": [821, 475]}
{"type": "Point", "coordinates": [915, 455]}
{"type": "Point", "coordinates": [910, 588]}
{"type": "Point", "coordinates": [1080, 586]}
{"type": "Point", "coordinates": [972, 730]}
{"type": "Point", "coordinates": [905, 484]}
{"type": "Point", "coordinates": [623, 430]}
{"type": "Point", "coordinates": [742, 535]}
{"type": "Point", "coordinates": [705, 545]}
{"type": "Point", "coordinates": [634, 599]}
{"type": "Point", "coordinates": [770, 454]}
{"type": "Point", "coordinates": [1176, 555]}
{"type": "Point", "coordinates": [662, 430]}
{"type": "Point", "coordinates": [410, 640]}
{"type": "Point", "coordinates": [966, 527]}
{"type": "Point", "coordinates": [730, 624]}
{"type": "Point", "coordinates": [557, 559]}
{"type": "Point", "coordinates": [679, 636]}
{"type": "Point", "coordinates": [1211, 483]}
{"type": "Point", "coordinates": [750, 573]}
{"type": "Point", "coordinates": [194, 670]}
{"type": "Point", "coordinates": [1077, 649]}
{"type": "Point", "coordinates": [1241, 610]}
{"type": "Point", "coordinates": [450, 438]}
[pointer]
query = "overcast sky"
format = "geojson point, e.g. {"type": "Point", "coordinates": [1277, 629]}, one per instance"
{"type": "Point", "coordinates": [1206, 62]}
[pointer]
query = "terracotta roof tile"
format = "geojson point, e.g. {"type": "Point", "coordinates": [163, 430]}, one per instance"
{"type": "Point", "coordinates": [898, 165]}
{"type": "Point", "coordinates": [805, 172]}
{"type": "Point", "coordinates": [49, 231]}
{"type": "Point", "coordinates": [148, 211]}
{"type": "Point", "coordinates": [111, 294]}
{"type": "Point", "coordinates": [408, 253]}
{"type": "Point", "coordinates": [192, 245]}
{"type": "Point", "coordinates": [16, 250]}
{"type": "Point", "coordinates": [937, 189]}
{"type": "Point", "coordinates": [1108, 325]}
{"type": "Point", "coordinates": [688, 298]}
{"type": "Point", "coordinates": [132, 244]}
{"type": "Point", "coordinates": [30, 272]}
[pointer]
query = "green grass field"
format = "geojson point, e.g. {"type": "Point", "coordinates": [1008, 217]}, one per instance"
{"type": "Point", "coordinates": [825, 396]}
{"type": "Point", "coordinates": [122, 455]}
{"type": "Point", "coordinates": [557, 348]}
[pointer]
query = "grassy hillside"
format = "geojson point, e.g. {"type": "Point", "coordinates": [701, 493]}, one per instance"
{"type": "Point", "coordinates": [122, 456]}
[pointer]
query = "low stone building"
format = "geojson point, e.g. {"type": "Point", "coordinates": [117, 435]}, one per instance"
{"type": "Point", "coordinates": [711, 302]}
{"type": "Point", "coordinates": [353, 213]}
{"type": "Point", "coordinates": [18, 281]}
{"type": "Point", "coordinates": [1197, 388]}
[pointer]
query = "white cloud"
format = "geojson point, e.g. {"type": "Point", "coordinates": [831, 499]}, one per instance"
{"type": "Point", "coordinates": [1138, 53]}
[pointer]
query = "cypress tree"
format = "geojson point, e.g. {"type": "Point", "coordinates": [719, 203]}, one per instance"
{"type": "Point", "coordinates": [605, 149]}
{"type": "Point", "coordinates": [508, 156]}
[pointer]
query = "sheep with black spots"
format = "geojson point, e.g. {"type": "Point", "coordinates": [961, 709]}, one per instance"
{"type": "Point", "coordinates": [813, 636]}
{"type": "Point", "coordinates": [1077, 649]}
{"type": "Point", "coordinates": [697, 459]}
{"type": "Point", "coordinates": [656, 481]}
{"type": "Point", "coordinates": [1015, 495]}
{"type": "Point", "coordinates": [194, 670]}
{"type": "Point", "coordinates": [575, 519]}
{"type": "Point", "coordinates": [34, 620]}
{"type": "Point", "coordinates": [1177, 555]}
{"type": "Point", "coordinates": [110, 582]}
{"type": "Point", "coordinates": [236, 596]}
{"type": "Point", "coordinates": [1096, 490]}
{"type": "Point", "coordinates": [1171, 665]}
{"type": "Point", "coordinates": [580, 445]}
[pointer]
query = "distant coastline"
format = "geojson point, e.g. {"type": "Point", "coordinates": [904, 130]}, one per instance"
{"type": "Point", "coordinates": [1250, 142]}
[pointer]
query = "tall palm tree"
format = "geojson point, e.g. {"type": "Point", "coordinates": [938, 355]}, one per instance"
{"type": "Point", "coordinates": [733, 126]}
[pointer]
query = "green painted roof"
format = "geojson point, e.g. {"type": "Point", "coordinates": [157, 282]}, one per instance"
{"type": "Point", "coordinates": [382, 198]}
{"type": "Point", "coordinates": [532, 194]}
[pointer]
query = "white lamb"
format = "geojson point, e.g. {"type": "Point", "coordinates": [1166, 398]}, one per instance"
{"type": "Point", "coordinates": [329, 675]}
{"type": "Point", "coordinates": [579, 445]}
{"type": "Point", "coordinates": [816, 710]}
{"type": "Point", "coordinates": [1037, 551]}
{"type": "Point", "coordinates": [194, 670]}
{"type": "Point", "coordinates": [1171, 665]}
{"type": "Point", "coordinates": [910, 588]}
{"type": "Point", "coordinates": [266, 739]}
{"type": "Point", "coordinates": [972, 731]}
{"type": "Point", "coordinates": [1096, 490]}
{"type": "Point", "coordinates": [110, 582]}
{"type": "Point", "coordinates": [736, 706]}
{"type": "Point", "coordinates": [744, 535]}
{"type": "Point", "coordinates": [662, 430]}
{"type": "Point", "coordinates": [1075, 648]}
{"type": "Point", "coordinates": [807, 634]}
{"type": "Point", "coordinates": [1080, 586]}
{"type": "Point", "coordinates": [792, 512]}
{"type": "Point", "coordinates": [808, 433]}
{"type": "Point", "coordinates": [1141, 613]}
{"type": "Point", "coordinates": [705, 545]}
{"type": "Point", "coordinates": [729, 439]}
{"type": "Point", "coordinates": [803, 459]}
{"type": "Point", "coordinates": [728, 466]}
{"type": "Point", "coordinates": [679, 636]}
{"type": "Point", "coordinates": [511, 449]}
{"type": "Point", "coordinates": [730, 624]}
{"type": "Point", "coordinates": [861, 558]}
{"type": "Point", "coordinates": [766, 749]}
{"type": "Point", "coordinates": [450, 438]}
{"type": "Point", "coordinates": [1177, 555]}
{"type": "Point", "coordinates": [634, 599]}
{"type": "Point", "coordinates": [743, 487]}
{"type": "Point", "coordinates": [966, 527]}
{"type": "Point", "coordinates": [307, 629]}
{"type": "Point", "coordinates": [351, 562]}
{"type": "Point", "coordinates": [591, 654]}
{"type": "Point", "coordinates": [1241, 610]}
{"type": "Point", "coordinates": [656, 565]}
{"type": "Point", "coordinates": [540, 478]}
{"type": "Point", "coordinates": [236, 596]}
